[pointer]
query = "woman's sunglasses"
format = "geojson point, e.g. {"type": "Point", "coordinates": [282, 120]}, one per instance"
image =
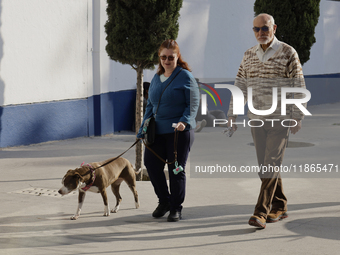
{"type": "Point", "coordinates": [171, 58]}
{"type": "Point", "coordinates": [264, 29]}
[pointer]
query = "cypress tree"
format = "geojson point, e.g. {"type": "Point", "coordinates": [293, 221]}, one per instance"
{"type": "Point", "coordinates": [296, 21]}
{"type": "Point", "coordinates": [135, 29]}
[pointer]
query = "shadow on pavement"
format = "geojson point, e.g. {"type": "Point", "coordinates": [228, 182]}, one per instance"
{"type": "Point", "coordinates": [57, 229]}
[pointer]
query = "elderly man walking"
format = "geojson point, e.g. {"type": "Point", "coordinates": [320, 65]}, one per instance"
{"type": "Point", "coordinates": [270, 64]}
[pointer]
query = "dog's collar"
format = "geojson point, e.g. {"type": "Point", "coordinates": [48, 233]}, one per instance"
{"type": "Point", "coordinates": [93, 172]}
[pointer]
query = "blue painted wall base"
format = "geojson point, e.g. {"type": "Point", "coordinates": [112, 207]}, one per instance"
{"type": "Point", "coordinates": [111, 112]}
{"type": "Point", "coordinates": [41, 122]}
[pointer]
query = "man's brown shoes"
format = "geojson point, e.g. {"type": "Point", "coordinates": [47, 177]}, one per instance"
{"type": "Point", "coordinates": [257, 221]}
{"type": "Point", "coordinates": [275, 216]}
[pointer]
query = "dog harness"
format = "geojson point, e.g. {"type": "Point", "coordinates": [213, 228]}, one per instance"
{"type": "Point", "coordinates": [93, 172]}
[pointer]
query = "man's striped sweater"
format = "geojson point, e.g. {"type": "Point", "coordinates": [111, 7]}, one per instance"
{"type": "Point", "coordinates": [283, 69]}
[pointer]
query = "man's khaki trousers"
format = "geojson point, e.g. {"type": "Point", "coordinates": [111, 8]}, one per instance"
{"type": "Point", "coordinates": [270, 142]}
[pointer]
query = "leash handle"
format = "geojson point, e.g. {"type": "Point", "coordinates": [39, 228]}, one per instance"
{"type": "Point", "coordinates": [175, 150]}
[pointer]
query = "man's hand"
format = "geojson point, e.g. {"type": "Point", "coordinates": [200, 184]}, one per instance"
{"type": "Point", "coordinates": [295, 129]}
{"type": "Point", "coordinates": [233, 120]}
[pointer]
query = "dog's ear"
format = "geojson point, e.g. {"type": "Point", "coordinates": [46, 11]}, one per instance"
{"type": "Point", "coordinates": [79, 177]}
{"type": "Point", "coordinates": [67, 174]}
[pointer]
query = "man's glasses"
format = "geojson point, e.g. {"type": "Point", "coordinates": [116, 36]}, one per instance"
{"type": "Point", "coordinates": [171, 58]}
{"type": "Point", "coordinates": [264, 29]}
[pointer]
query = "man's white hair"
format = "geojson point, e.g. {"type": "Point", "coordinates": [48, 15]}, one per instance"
{"type": "Point", "coordinates": [271, 18]}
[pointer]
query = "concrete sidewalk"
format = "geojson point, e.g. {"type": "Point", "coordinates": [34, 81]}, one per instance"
{"type": "Point", "coordinates": [34, 220]}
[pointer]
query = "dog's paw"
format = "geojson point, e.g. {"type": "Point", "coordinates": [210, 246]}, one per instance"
{"type": "Point", "coordinates": [106, 211]}
{"type": "Point", "coordinates": [137, 205]}
{"type": "Point", "coordinates": [74, 217]}
{"type": "Point", "coordinates": [115, 210]}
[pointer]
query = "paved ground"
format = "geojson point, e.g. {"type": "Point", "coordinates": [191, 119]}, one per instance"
{"type": "Point", "coordinates": [216, 209]}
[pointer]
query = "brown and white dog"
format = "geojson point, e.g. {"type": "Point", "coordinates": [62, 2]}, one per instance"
{"type": "Point", "coordinates": [87, 177]}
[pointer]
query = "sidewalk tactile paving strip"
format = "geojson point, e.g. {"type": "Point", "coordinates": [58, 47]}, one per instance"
{"type": "Point", "coordinates": [42, 192]}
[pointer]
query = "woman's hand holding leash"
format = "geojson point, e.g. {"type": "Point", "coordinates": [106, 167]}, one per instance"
{"type": "Point", "coordinates": [180, 126]}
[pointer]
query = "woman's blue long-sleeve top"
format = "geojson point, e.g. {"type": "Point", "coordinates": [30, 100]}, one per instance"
{"type": "Point", "coordinates": [179, 102]}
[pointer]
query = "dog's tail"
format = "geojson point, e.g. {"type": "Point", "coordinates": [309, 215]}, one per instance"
{"type": "Point", "coordinates": [139, 170]}
{"type": "Point", "coordinates": [136, 172]}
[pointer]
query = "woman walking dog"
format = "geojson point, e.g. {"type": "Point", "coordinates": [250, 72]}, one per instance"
{"type": "Point", "coordinates": [174, 95]}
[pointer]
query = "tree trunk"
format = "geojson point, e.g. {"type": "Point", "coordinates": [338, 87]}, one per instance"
{"type": "Point", "coordinates": [138, 121]}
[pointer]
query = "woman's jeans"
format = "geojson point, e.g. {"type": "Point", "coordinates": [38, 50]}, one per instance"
{"type": "Point", "coordinates": [164, 147]}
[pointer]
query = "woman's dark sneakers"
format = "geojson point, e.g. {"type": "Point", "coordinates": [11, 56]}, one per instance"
{"type": "Point", "coordinates": [174, 216]}
{"type": "Point", "coordinates": [161, 210]}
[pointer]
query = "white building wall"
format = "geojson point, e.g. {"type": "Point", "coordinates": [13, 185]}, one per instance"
{"type": "Point", "coordinates": [44, 54]}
